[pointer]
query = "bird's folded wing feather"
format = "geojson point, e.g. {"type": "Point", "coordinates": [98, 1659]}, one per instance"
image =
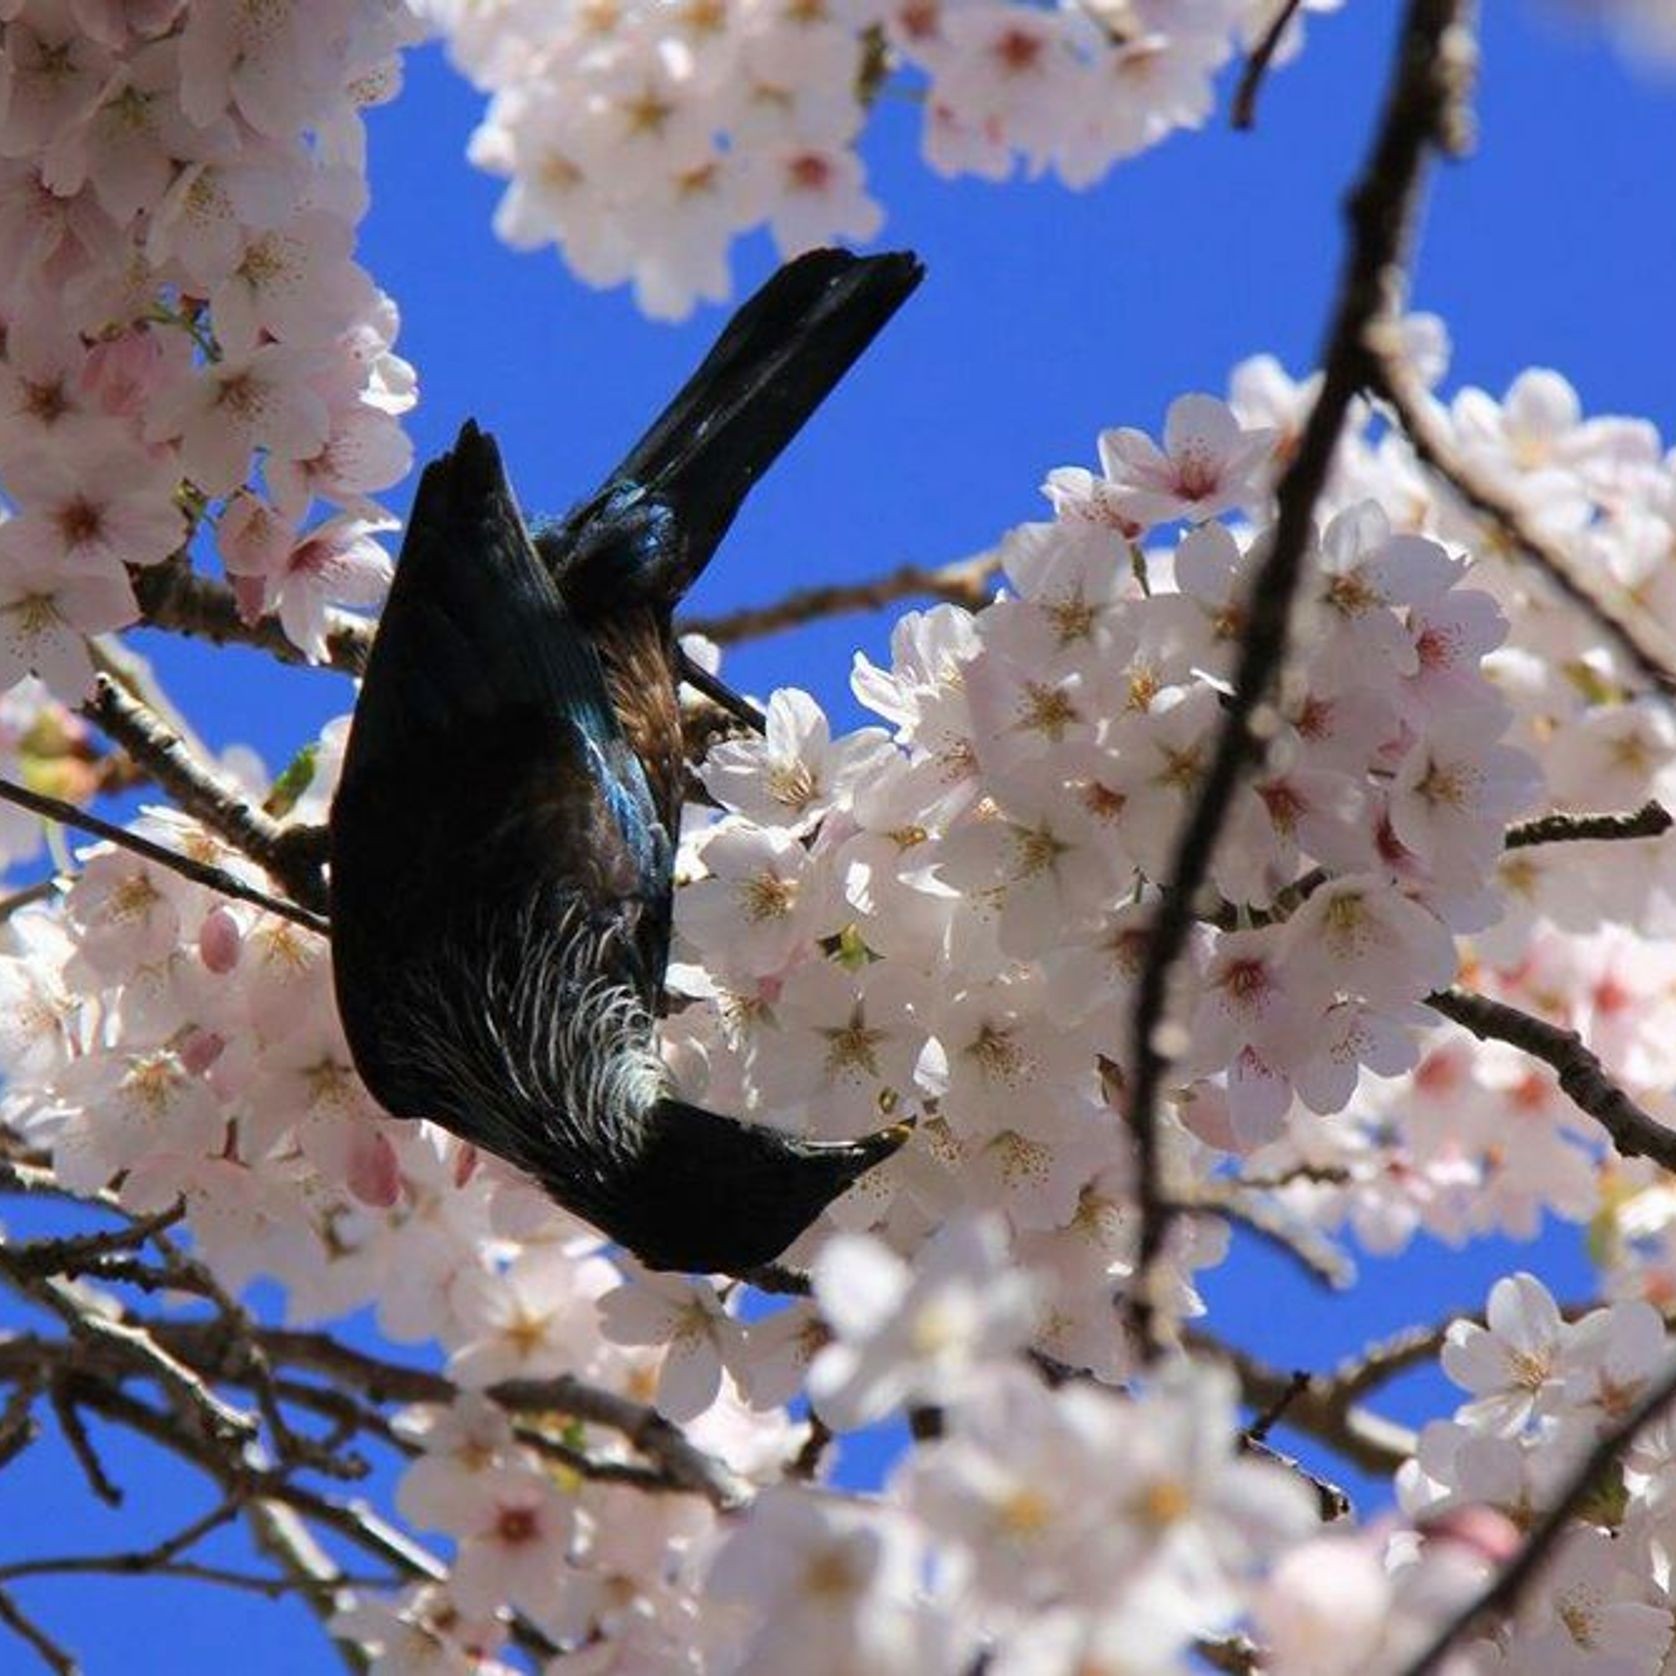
{"type": "Point", "coordinates": [486, 771]}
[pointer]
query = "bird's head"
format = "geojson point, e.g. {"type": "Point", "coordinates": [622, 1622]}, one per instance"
{"type": "Point", "coordinates": [711, 1195]}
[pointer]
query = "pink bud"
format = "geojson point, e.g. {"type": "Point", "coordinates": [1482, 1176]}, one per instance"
{"type": "Point", "coordinates": [375, 1176]}
{"type": "Point", "coordinates": [220, 940]}
{"type": "Point", "coordinates": [199, 1049]}
{"type": "Point", "coordinates": [465, 1164]}
{"type": "Point", "coordinates": [1482, 1531]}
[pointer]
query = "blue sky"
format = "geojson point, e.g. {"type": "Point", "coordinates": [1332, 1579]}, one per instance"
{"type": "Point", "coordinates": [1045, 316]}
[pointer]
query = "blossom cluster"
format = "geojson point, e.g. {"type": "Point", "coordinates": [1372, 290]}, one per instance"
{"type": "Point", "coordinates": [1542, 1390]}
{"type": "Point", "coordinates": [642, 138]}
{"type": "Point", "coordinates": [948, 921]}
{"type": "Point", "coordinates": [942, 918]}
{"type": "Point", "coordinates": [179, 189]}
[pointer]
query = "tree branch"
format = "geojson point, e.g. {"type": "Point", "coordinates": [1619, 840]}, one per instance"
{"type": "Point", "coordinates": [1651, 820]}
{"type": "Point", "coordinates": [965, 582]}
{"type": "Point", "coordinates": [175, 597]}
{"type": "Point", "coordinates": [202, 792]}
{"type": "Point", "coordinates": [217, 879]}
{"type": "Point", "coordinates": [1636, 1133]}
{"type": "Point", "coordinates": [1421, 113]}
{"type": "Point", "coordinates": [1319, 1410]}
{"type": "Point", "coordinates": [1396, 381]}
{"type": "Point", "coordinates": [1243, 114]}
{"type": "Point", "coordinates": [40, 1643]}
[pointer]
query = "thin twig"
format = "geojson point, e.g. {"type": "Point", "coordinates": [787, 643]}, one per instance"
{"type": "Point", "coordinates": [1271, 1414]}
{"type": "Point", "coordinates": [130, 1562]}
{"type": "Point", "coordinates": [201, 791]}
{"type": "Point", "coordinates": [1366, 1440]}
{"type": "Point", "coordinates": [43, 890]}
{"type": "Point", "coordinates": [1503, 1595]}
{"type": "Point", "coordinates": [199, 872]}
{"type": "Point", "coordinates": [61, 1393]}
{"type": "Point", "coordinates": [136, 1348]}
{"type": "Point", "coordinates": [720, 694]}
{"type": "Point", "coordinates": [1275, 1226]}
{"type": "Point", "coordinates": [1420, 115]}
{"type": "Point", "coordinates": [1635, 1133]}
{"type": "Point", "coordinates": [1243, 115]}
{"type": "Point", "coordinates": [687, 1466]}
{"type": "Point", "coordinates": [279, 1533]}
{"type": "Point", "coordinates": [1401, 387]}
{"type": "Point", "coordinates": [26, 1629]}
{"type": "Point", "coordinates": [76, 1253]}
{"type": "Point", "coordinates": [18, 1426]}
{"type": "Point", "coordinates": [115, 658]}
{"type": "Point", "coordinates": [965, 582]}
{"type": "Point", "coordinates": [1330, 1501]}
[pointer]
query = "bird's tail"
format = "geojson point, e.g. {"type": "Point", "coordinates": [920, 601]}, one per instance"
{"type": "Point", "coordinates": [776, 362]}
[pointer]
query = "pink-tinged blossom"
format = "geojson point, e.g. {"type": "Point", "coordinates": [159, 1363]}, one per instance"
{"type": "Point", "coordinates": [272, 67]}
{"type": "Point", "coordinates": [130, 149]}
{"type": "Point", "coordinates": [53, 75]}
{"type": "Point", "coordinates": [1000, 1054]}
{"type": "Point", "coordinates": [532, 1320]}
{"type": "Point", "coordinates": [1367, 573]}
{"type": "Point", "coordinates": [125, 1109]}
{"type": "Point", "coordinates": [421, 1632]}
{"type": "Point", "coordinates": [515, 1528]}
{"type": "Point", "coordinates": [43, 403]}
{"type": "Point", "coordinates": [461, 1442]}
{"type": "Point", "coordinates": [1041, 859]}
{"type": "Point", "coordinates": [914, 1334]}
{"type": "Point", "coordinates": [1610, 1358]}
{"type": "Point", "coordinates": [124, 375]}
{"type": "Point", "coordinates": [265, 399]}
{"type": "Point", "coordinates": [844, 1041]}
{"type": "Point", "coordinates": [1322, 1611]}
{"type": "Point", "coordinates": [365, 451]}
{"type": "Point", "coordinates": [337, 562]}
{"type": "Point", "coordinates": [1207, 464]}
{"type": "Point", "coordinates": [295, 284]}
{"type": "Point", "coordinates": [91, 510]}
{"type": "Point", "coordinates": [1358, 936]}
{"type": "Point", "coordinates": [1592, 1613]}
{"type": "Point", "coordinates": [1454, 796]}
{"type": "Point", "coordinates": [1183, 1502]}
{"type": "Point", "coordinates": [822, 197]}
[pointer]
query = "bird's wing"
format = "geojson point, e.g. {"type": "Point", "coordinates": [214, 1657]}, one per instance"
{"type": "Point", "coordinates": [654, 524]}
{"type": "Point", "coordinates": [486, 770]}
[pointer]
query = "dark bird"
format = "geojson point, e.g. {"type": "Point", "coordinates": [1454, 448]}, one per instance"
{"type": "Point", "coordinates": [503, 833]}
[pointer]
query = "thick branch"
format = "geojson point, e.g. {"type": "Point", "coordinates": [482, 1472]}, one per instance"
{"type": "Point", "coordinates": [1651, 820]}
{"type": "Point", "coordinates": [1420, 114]}
{"type": "Point", "coordinates": [173, 596]}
